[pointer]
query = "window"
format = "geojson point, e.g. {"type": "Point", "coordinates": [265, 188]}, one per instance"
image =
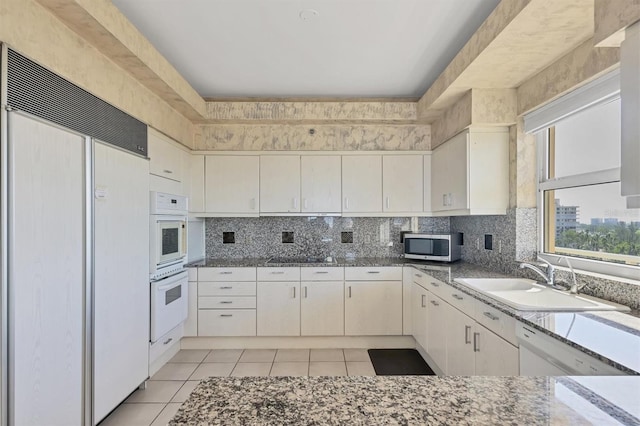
{"type": "Point", "coordinates": [583, 215]}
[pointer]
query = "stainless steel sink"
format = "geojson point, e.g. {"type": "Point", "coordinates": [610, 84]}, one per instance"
{"type": "Point", "coordinates": [527, 295]}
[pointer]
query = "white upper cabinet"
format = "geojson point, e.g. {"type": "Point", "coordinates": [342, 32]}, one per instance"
{"type": "Point", "coordinates": [426, 175]}
{"type": "Point", "coordinates": [280, 184]}
{"type": "Point", "coordinates": [402, 183]}
{"type": "Point", "coordinates": [165, 159]}
{"type": "Point", "coordinates": [193, 183]}
{"type": "Point", "coordinates": [232, 185]}
{"type": "Point", "coordinates": [361, 184]}
{"type": "Point", "coordinates": [470, 173]}
{"type": "Point", "coordinates": [321, 177]}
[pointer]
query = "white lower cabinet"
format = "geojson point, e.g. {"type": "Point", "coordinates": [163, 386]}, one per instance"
{"type": "Point", "coordinates": [494, 355]}
{"type": "Point", "coordinates": [461, 359]}
{"type": "Point", "coordinates": [226, 307]}
{"type": "Point", "coordinates": [230, 322]}
{"type": "Point", "coordinates": [373, 308]}
{"type": "Point", "coordinates": [278, 308]}
{"type": "Point", "coordinates": [322, 308]}
{"type": "Point", "coordinates": [419, 316]}
{"type": "Point", "coordinates": [456, 338]}
{"type": "Point", "coordinates": [437, 331]}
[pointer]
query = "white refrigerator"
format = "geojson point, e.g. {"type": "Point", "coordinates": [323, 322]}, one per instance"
{"type": "Point", "coordinates": [77, 283]}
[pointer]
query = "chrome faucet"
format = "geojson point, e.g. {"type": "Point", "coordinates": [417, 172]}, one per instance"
{"type": "Point", "coordinates": [548, 276]}
{"type": "Point", "coordinates": [574, 286]}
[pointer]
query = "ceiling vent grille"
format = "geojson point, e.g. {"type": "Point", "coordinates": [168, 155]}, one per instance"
{"type": "Point", "coordinates": [34, 89]}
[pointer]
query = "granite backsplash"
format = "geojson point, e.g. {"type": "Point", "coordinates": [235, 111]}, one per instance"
{"type": "Point", "coordinates": [513, 238]}
{"type": "Point", "coordinates": [341, 237]}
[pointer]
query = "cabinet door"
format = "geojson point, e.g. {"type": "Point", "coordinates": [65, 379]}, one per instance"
{"type": "Point", "coordinates": [373, 308]}
{"type": "Point", "coordinates": [419, 297]}
{"type": "Point", "coordinates": [361, 184]}
{"type": "Point", "coordinates": [457, 160]}
{"type": "Point", "coordinates": [494, 355]}
{"type": "Point", "coordinates": [280, 183]}
{"type": "Point", "coordinates": [232, 184]}
{"type": "Point", "coordinates": [437, 342]}
{"type": "Point", "coordinates": [278, 308]}
{"type": "Point", "coordinates": [322, 308]}
{"type": "Point", "coordinates": [321, 178]}
{"type": "Point", "coordinates": [439, 178]}
{"type": "Point", "coordinates": [459, 342]}
{"type": "Point", "coordinates": [402, 180]}
{"type": "Point", "coordinates": [426, 184]}
{"type": "Point", "coordinates": [449, 183]}
{"type": "Point", "coordinates": [165, 160]}
{"type": "Point", "coordinates": [191, 323]}
{"type": "Point", "coordinates": [193, 183]}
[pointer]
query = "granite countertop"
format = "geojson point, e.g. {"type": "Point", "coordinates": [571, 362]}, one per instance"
{"type": "Point", "coordinates": [268, 262]}
{"type": "Point", "coordinates": [413, 400]}
{"type": "Point", "coordinates": [611, 337]}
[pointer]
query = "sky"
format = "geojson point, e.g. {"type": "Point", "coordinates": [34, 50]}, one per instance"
{"type": "Point", "coordinates": [590, 141]}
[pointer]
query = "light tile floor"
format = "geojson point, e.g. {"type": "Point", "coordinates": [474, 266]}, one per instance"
{"type": "Point", "coordinates": [170, 387]}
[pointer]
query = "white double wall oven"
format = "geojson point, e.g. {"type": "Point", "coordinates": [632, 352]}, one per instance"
{"type": "Point", "coordinates": [168, 255]}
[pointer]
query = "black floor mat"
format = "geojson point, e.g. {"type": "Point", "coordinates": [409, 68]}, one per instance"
{"type": "Point", "coordinates": [399, 362]}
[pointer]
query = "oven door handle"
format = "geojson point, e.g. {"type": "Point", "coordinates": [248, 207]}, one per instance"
{"type": "Point", "coordinates": [168, 286]}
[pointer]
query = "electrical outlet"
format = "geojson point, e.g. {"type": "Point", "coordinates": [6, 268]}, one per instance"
{"type": "Point", "coordinates": [500, 246]}
{"type": "Point", "coordinates": [477, 243]}
{"type": "Point", "coordinates": [367, 239]}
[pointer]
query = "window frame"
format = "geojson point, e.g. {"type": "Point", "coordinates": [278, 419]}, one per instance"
{"type": "Point", "coordinates": [544, 183]}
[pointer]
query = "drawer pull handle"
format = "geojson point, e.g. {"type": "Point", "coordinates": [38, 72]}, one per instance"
{"type": "Point", "coordinates": [305, 292]}
{"type": "Point", "coordinates": [424, 300]}
{"type": "Point", "coordinates": [322, 272]}
{"type": "Point", "coordinates": [169, 340]}
{"type": "Point", "coordinates": [226, 315]}
{"type": "Point", "coordinates": [458, 297]}
{"type": "Point", "coordinates": [226, 273]}
{"type": "Point", "coordinates": [294, 292]}
{"type": "Point", "coordinates": [277, 272]}
{"type": "Point", "coordinates": [491, 316]}
{"type": "Point", "coordinates": [435, 284]}
{"type": "Point", "coordinates": [349, 290]}
{"type": "Point", "coordinates": [226, 287]}
{"type": "Point", "coordinates": [434, 303]}
{"type": "Point", "coordinates": [467, 337]}
{"type": "Point", "coordinates": [417, 275]}
{"type": "Point", "coordinates": [476, 342]}
{"type": "Point", "coordinates": [167, 171]}
{"type": "Point", "coordinates": [373, 272]}
{"type": "Point", "coordinates": [226, 302]}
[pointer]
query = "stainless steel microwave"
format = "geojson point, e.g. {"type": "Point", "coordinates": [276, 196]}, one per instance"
{"type": "Point", "coordinates": [438, 247]}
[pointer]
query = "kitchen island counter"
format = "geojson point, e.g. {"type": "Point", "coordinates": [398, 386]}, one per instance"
{"type": "Point", "coordinates": [413, 400]}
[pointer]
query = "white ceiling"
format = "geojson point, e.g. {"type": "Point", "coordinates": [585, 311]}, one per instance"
{"type": "Point", "coordinates": [352, 49]}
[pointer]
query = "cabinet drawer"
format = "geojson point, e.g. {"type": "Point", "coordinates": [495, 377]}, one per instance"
{"type": "Point", "coordinates": [193, 274]}
{"type": "Point", "coordinates": [420, 278]}
{"type": "Point", "coordinates": [374, 273]}
{"type": "Point", "coordinates": [227, 274]}
{"type": "Point", "coordinates": [217, 322]}
{"type": "Point", "coordinates": [231, 302]}
{"type": "Point", "coordinates": [460, 300]}
{"type": "Point", "coordinates": [322, 274]}
{"type": "Point", "coordinates": [157, 348]}
{"type": "Point", "coordinates": [498, 322]}
{"type": "Point", "coordinates": [436, 287]}
{"type": "Point", "coordinates": [226, 289]}
{"type": "Point", "coordinates": [279, 274]}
